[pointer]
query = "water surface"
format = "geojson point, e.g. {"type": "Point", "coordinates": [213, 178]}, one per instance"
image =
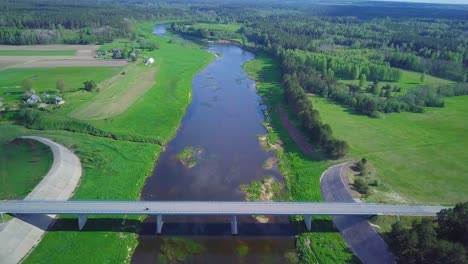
{"type": "Point", "coordinates": [224, 120]}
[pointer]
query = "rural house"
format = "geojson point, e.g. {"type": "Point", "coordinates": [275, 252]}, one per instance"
{"type": "Point", "coordinates": [33, 99]}
{"type": "Point", "coordinates": [58, 100]}
{"type": "Point", "coordinates": [149, 61]}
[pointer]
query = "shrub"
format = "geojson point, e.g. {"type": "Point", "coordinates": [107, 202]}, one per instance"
{"type": "Point", "coordinates": [361, 186]}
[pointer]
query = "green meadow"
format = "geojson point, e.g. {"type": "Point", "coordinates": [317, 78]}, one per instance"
{"type": "Point", "coordinates": [421, 156]}
{"type": "Point", "coordinates": [23, 163]}
{"type": "Point", "coordinates": [409, 79]}
{"type": "Point", "coordinates": [301, 172]}
{"type": "Point", "coordinates": [37, 52]}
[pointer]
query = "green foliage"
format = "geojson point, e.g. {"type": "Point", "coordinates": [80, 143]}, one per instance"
{"type": "Point", "coordinates": [453, 223]}
{"type": "Point", "coordinates": [361, 186]}
{"type": "Point", "coordinates": [60, 85]}
{"type": "Point", "coordinates": [209, 31]}
{"type": "Point", "coordinates": [424, 243]}
{"type": "Point", "coordinates": [21, 52]}
{"type": "Point", "coordinates": [90, 86]}
{"type": "Point", "coordinates": [23, 164]}
{"type": "Point", "coordinates": [178, 249]}
{"type": "Point", "coordinates": [190, 156]}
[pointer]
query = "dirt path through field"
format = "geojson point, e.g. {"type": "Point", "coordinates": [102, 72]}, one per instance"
{"type": "Point", "coordinates": [83, 57]}
{"type": "Point", "coordinates": [20, 235]}
{"type": "Point", "coordinates": [295, 133]}
{"type": "Point", "coordinates": [119, 93]}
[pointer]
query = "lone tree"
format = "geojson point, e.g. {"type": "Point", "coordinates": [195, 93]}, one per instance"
{"type": "Point", "coordinates": [422, 79]}
{"type": "Point", "coordinates": [60, 85]}
{"type": "Point", "coordinates": [90, 86]}
{"type": "Point", "coordinates": [362, 80]}
{"type": "Point", "coordinates": [28, 84]}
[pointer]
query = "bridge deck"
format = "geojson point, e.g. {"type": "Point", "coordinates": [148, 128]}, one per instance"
{"type": "Point", "coordinates": [212, 208]}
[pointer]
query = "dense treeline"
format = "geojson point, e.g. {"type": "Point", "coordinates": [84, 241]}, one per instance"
{"type": "Point", "coordinates": [438, 47]}
{"type": "Point", "coordinates": [318, 132]}
{"type": "Point", "coordinates": [27, 22]}
{"type": "Point", "coordinates": [444, 242]}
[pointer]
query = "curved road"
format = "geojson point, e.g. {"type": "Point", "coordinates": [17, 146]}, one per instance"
{"type": "Point", "coordinates": [18, 237]}
{"type": "Point", "coordinates": [363, 240]}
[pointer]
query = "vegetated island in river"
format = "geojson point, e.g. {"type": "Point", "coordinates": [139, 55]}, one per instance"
{"type": "Point", "coordinates": [190, 156]}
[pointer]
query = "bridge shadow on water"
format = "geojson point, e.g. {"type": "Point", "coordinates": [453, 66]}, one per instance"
{"type": "Point", "coordinates": [174, 226]}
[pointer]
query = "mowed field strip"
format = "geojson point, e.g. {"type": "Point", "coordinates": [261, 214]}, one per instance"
{"type": "Point", "coordinates": [118, 93]}
{"type": "Point", "coordinates": [52, 56]}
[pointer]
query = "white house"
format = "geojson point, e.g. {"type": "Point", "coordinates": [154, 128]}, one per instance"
{"type": "Point", "coordinates": [149, 61]}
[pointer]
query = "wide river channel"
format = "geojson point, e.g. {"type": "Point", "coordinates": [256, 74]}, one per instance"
{"type": "Point", "coordinates": [223, 121]}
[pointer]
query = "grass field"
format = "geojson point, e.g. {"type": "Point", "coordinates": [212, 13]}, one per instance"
{"type": "Point", "coordinates": [408, 80]}
{"type": "Point", "coordinates": [37, 52]}
{"type": "Point", "coordinates": [118, 93]}
{"type": "Point", "coordinates": [422, 156]}
{"type": "Point", "coordinates": [302, 173]}
{"type": "Point", "coordinates": [23, 163]}
{"type": "Point", "coordinates": [45, 79]}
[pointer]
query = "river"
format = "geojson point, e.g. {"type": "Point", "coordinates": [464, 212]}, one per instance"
{"type": "Point", "coordinates": [223, 122]}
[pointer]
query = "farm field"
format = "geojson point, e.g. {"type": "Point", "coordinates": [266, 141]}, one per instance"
{"type": "Point", "coordinates": [118, 93]}
{"type": "Point", "coordinates": [411, 151]}
{"type": "Point", "coordinates": [23, 163]}
{"type": "Point", "coordinates": [37, 52]}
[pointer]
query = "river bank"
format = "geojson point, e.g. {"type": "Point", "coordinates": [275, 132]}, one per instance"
{"type": "Point", "coordinates": [301, 171]}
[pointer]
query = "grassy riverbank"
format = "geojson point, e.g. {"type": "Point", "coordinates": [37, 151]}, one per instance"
{"type": "Point", "coordinates": [23, 163]}
{"type": "Point", "coordinates": [115, 169]}
{"type": "Point", "coordinates": [302, 173]}
{"type": "Point", "coordinates": [112, 170]}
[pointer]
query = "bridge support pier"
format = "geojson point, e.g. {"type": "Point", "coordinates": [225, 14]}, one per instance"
{"type": "Point", "coordinates": [3, 219]}
{"type": "Point", "coordinates": [82, 218]}
{"type": "Point", "coordinates": [159, 224]}
{"type": "Point", "coordinates": [234, 225]}
{"type": "Point", "coordinates": [308, 222]}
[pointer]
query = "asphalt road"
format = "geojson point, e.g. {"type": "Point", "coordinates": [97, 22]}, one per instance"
{"type": "Point", "coordinates": [211, 208]}
{"type": "Point", "coordinates": [363, 240]}
{"type": "Point", "coordinates": [19, 235]}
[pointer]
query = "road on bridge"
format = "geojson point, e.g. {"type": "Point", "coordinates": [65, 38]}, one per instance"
{"type": "Point", "coordinates": [212, 208]}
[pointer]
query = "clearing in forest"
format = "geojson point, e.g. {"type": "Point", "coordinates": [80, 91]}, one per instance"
{"type": "Point", "coordinates": [118, 93]}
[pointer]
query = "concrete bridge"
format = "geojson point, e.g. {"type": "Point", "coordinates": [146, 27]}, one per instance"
{"type": "Point", "coordinates": [233, 209]}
